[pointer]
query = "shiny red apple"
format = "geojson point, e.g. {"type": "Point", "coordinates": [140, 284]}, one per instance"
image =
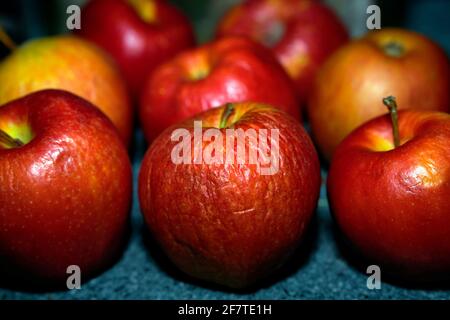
{"type": "Point", "coordinates": [222, 219]}
{"type": "Point", "coordinates": [232, 69]}
{"type": "Point", "coordinates": [139, 34]}
{"type": "Point", "coordinates": [348, 87]}
{"type": "Point", "coordinates": [392, 203]}
{"type": "Point", "coordinates": [301, 33]}
{"type": "Point", "coordinates": [65, 186]}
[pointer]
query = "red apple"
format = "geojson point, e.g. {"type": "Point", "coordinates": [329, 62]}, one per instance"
{"type": "Point", "coordinates": [301, 33]}
{"type": "Point", "coordinates": [392, 203]}
{"type": "Point", "coordinates": [227, 221]}
{"type": "Point", "coordinates": [68, 63]}
{"type": "Point", "coordinates": [65, 185]}
{"type": "Point", "coordinates": [348, 88]}
{"type": "Point", "coordinates": [139, 34]}
{"type": "Point", "coordinates": [228, 70]}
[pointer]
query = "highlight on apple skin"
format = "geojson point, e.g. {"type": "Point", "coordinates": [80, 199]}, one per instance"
{"type": "Point", "coordinates": [233, 69]}
{"type": "Point", "coordinates": [392, 203]}
{"type": "Point", "coordinates": [225, 222]}
{"type": "Point", "coordinates": [73, 64]}
{"type": "Point", "coordinates": [65, 187]}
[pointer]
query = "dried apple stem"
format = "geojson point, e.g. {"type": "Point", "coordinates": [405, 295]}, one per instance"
{"type": "Point", "coordinates": [9, 141]}
{"type": "Point", "coordinates": [6, 40]}
{"type": "Point", "coordinates": [391, 104]}
{"type": "Point", "coordinates": [226, 115]}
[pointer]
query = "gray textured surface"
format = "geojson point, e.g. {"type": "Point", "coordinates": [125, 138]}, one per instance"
{"type": "Point", "coordinates": [319, 270]}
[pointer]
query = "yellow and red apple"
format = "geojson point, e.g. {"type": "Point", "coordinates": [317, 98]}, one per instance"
{"type": "Point", "coordinates": [68, 63]}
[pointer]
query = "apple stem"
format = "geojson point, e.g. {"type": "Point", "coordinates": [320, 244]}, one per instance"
{"type": "Point", "coordinates": [229, 109]}
{"type": "Point", "coordinates": [9, 141]}
{"type": "Point", "coordinates": [6, 40]}
{"type": "Point", "coordinates": [391, 104]}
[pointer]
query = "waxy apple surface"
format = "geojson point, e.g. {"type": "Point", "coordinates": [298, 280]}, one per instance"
{"type": "Point", "coordinates": [393, 203]}
{"type": "Point", "coordinates": [232, 69]}
{"type": "Point", "coordinates": [227, 223]}
{"type": "Point", "coordinates": [395, 62]}
{"type": "Point", "coordinates": [68, 63]}
{"type": "Point", "coordinates": [139, 34]}
{"type": "Point", "coordinates": [301, 33]}
{"type": "Point", "coordinates": [65, 193]}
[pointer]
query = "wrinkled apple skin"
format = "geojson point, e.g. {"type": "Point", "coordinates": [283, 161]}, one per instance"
{"type": "Point", "coordinates": [65, 195]}
{"type": "Point", "coordinates": [232, 69]}
{"type": "Point", "coordinates": [312, 32]}
{"type": "Point", "coordinates": [227, 223]}
{"type": "Point", "coordinates": [348, 87]}
{"type": "Point", "coordinates": [137, 46]}
{"type": "Point", "coordinates": [393, 205]}
{"type": "Point", "coordinates": [73, 64]}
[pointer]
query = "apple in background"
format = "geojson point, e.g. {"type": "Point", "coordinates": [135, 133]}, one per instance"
{"type": "Point", "coordinates": [69, 63]}
{"type": "Point", "coordinates": [301, 33]}
{"type": "Point", "coordinates": [232, 69]}
{"type": "Point", "coordinates": [139, 34]}
{"type": "Point", "coordinates": [226, 222]}
{"type": "Point", "coordinates": [392, 203]}
{"type": "Point", "coordinates": [348, 88]}
{"type": "Point", "coordinates": [65, 185]}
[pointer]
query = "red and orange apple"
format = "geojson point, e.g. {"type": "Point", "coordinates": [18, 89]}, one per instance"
{"type": "Point", "coordinates": [69, 63]}
{"type": "Point", "coordinates": [301, 33]}
{"type": "Point", "coordinates": [139, 34]}
{"type": "Point", "coordinates": [65, 186]}
{"type": "Point", "coordinates": [348, 88]}
{"type": "Point", "coordinates": [232, 69]}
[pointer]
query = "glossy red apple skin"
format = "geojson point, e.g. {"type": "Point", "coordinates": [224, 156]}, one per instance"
{"type": "Point", "coordinates": [348, 87]}
{"type": "Point", "coordinates": [137, 46]}
{"type": "Point", "coordinates": [393, 204]}
{"type": "Point", "coordinates": [65, 195]}
{"type": "Point", "coordinates": [227, 223]}
{"type": "Point", "coordinates": [312, 32]}
{"type": "Point", "coordinates": [232, 69]}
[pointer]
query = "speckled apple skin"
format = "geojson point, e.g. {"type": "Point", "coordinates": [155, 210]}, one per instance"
{"type": "Point", "coordinates": [227, 223]}
{"type": "Point", "coordinates": [73, 64]}
{"type": "Point", "coordinates": [235, 69]}
{"type": "Point", "coordinates": [312, 32]}
{"type": "Point", "coordinates": [64, 196]}
{"type": "Point", "coordinates": [394, 205]}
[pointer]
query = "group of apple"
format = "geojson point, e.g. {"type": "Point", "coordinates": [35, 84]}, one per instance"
{"type": "Point", "coordinates": [67, 121]}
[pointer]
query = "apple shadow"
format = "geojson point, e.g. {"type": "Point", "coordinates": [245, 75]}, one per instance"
{"type": "Point", "coordinates": [359, 263]}
{"type": "Point", "coordinates": [297, 260]}
{"type": "Point", "coordinates": [15, 279]}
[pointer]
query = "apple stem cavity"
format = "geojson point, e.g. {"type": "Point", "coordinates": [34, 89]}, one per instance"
{"type": "Point", "coordinates": [9, 141]}
{"type": "Point", "coordinates": [394, 49]}
{"type": "Point", "coordinates": [6, 40]}
{"type": "Point", "coordinates": [229, 109]}
{"type": "Point", "coordinates": [391, 104]}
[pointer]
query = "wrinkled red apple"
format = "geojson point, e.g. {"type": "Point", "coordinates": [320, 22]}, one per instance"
{"type": "Point", "coordinates": [139, 34]}
{"type": "Point", "coordinates": [230, 222]}
{"type": "Point", "coordinates": [228, 70]}
{"type": "Point", "coordinates": [65, 186]}
{"type": "Point", "coordinates": [392, 203]}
